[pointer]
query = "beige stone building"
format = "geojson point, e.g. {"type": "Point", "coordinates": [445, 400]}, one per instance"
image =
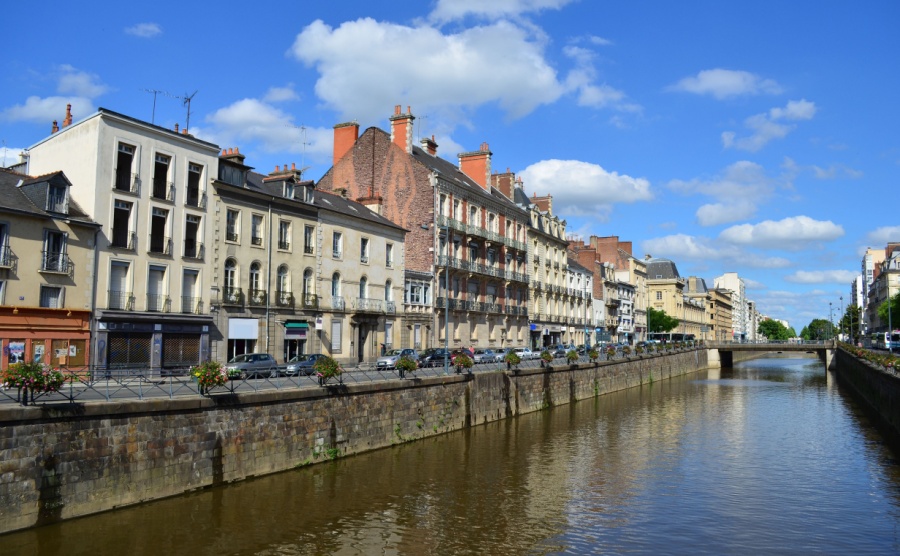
{"type": "Point", "coordinates": [669, 293]}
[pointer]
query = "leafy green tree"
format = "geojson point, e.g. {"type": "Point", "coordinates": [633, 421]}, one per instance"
{"type": "Point", "coordinates": [895, 311]}
{"type": "Point", "coordinates": [819, 329]}
{"type": "Point", "coordinates": [659, 321]}
{"type": "Point", "coordinates": [804, 334]}
{"type": "Point", "coordinates": [849, 323]}
{"type": "Point", "coordinates": [792, 333]}
{"type": "Point", "coordinates": [773, 330]}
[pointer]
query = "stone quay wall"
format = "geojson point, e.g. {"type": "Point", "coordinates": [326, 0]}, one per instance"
{"type": "Point", "coordinates": [877, 387]}
{"type": "Point", "coordinates": [63, 461]}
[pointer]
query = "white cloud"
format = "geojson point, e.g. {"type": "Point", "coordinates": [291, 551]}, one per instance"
{"type": "Point", "coordinates": [79, 83]}
{"type": "Point", "coordinates": [448, 10]}
{"type": "Point", "coordinates": [766, 127]}
{"type": "Point", "coordinates": [754, 284]}
{"type": "Point", "coordinates": [723, 83]}
{"type": "Point", "coordinates": [836, 171]}
{"type": "Point", "coordinates": [702, 249]}
{"type": "Point", "coordinates": [10, 155]}
{"type": "Point", "coordinates": [144, 30]}
{"type": "Point", "coordinates": [599, 41]}
{"type": "Point", "coordinates": [722, 213]}
{"type": "Point", "coordinates": [793, 233]}
{"type": "Point", "coordinates": [880, 237]}
{"type": "Point", "coordinates": [842, 277]}
{"type": "Point", "coordinates": [45, 110]}
{"type": "Point", "coordinates": [281, 94]}
{"type": "Point", "coordinates": [739, 189]}
{"type": "Point", "coordinates": [582, 188]}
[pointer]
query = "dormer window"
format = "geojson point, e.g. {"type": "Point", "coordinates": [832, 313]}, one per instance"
{"type": "Point", "coordinates": [288, 190]}
{"type": "Point", "coordinates": [58, 199]}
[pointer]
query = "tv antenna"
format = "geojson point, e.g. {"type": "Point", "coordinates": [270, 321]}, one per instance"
{"type": "Point", "coordinates": [156, 92]}
{"type": "Point", "coordinates": [303, 144]}
{"type": "Point", "coordinates": [187, 102]}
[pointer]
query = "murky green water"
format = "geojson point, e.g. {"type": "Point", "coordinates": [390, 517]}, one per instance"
{"type": "Point", "coordinates": [770, 457]}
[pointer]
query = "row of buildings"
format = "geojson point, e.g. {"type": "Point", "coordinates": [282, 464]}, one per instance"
{"type": "Point", "coordinates": [878, 280]}
{"type": "Point", "coordinates": [126, 244]}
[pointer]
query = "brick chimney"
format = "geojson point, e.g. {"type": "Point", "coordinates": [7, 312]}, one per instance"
{"type": "Point", "coordinates": [345, 136]}
{"type": "Point", "coordinates": [505, 183]}
{"type": "Point", "coordinates": [544, 204]}
{"type": "Point", "coordinates": [402, 129]}
{"type": "Point", "coordinates": [429, 146]}
{"type": "Point", "coordinates": [68, 119]}
{"type": "Point", "coordinates": [477, 165]}
{"type": "Point", "coordinates": [233, 155]}
{"type": "Point", "coordinates": [55, 127]}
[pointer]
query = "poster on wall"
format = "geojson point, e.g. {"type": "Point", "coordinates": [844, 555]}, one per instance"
{"type": "Point", "coordinates": [38, 353]}
{"type": "Point", "coordinates": [16, 352]}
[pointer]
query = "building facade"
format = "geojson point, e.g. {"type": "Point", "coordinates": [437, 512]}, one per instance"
{"type": "Point", "coordinates": [739, 311]}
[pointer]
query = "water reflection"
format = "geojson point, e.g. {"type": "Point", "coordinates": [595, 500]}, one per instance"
{"type": "Point", "coordinates": [763, 458]}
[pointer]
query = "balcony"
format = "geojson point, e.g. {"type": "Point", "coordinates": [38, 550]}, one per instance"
{"type": "Point", "coordinates": [195, 199]}
{"type": "Point", "coordinates": [231, 236]}
{"type": "Point", "coordinates": [160, 245]}
{"type": "Point", "coordinates": [445, 222]}
{"type": "Point", "coordinates": [57, 263]}
{"type": "Point", "coordinates": [193, 249]}
{"type": "Point", "coordinates": [123, 239]}
{"type": "Point", "coordinates": [256, 240]}
{"type": "Point", "coordinates": [516, 310]}
{"type": "Point", "coordinates": [232, 296]}
{"type": "Point", "coordinates": [612, 302]}
{"type": "Point", "coordinates": [390, 307]}
{"type": "Point", "coordinates": [367, 305]}
{"type": "Point", "coordinates": [493, 308]}
{"type": "Point", "coordinates": [163, 190]}
{"type": "Point", "coordinates": [337, 303]}
{"type": "Point", "coordinates": [120, 301]}
{"type": "Point", "coordinates": [191, 305]}
{"type": "Point", "coordinates": [308, 249]}
{"type": "Point", "coordinates": [309, 301]}
{"type": "Point", "coordinates": [6, 257]}
{"type": "Point", "coordinates": [284, 299]}
{"type": "Point", "coordinates": [256, 298]}
{"type": "Point", "coordinates": [127, 182]}
{"type": "Point", "coordinates": [284, 245]}
{"type": "Point", "coordinates": [158, 303]}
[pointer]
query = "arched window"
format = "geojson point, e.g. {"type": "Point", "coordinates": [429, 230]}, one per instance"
{"type": "Point", "coordinates": [336, 284]}
{"type": "Point", "coordinates": [388, 291]}
{"type": "Point", "coordinates": [230, 274]}
{"type": "Point", "coordinates": [284, 279]}
{"type": "Point", "coordinates": [308, 282]}
{"type": "Point", "coordinates": [254, 277]}
{"type": "Point", "coordinates": [363, 287]}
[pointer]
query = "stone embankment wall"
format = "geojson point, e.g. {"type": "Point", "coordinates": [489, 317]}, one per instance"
{"type": "Point", "coordinates": [59, 462]}
{"type": "Point", "coordinates": [878, 388]}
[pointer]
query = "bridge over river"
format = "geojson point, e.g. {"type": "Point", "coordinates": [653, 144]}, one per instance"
{"type": "Point", "coordinates": [724, 352]}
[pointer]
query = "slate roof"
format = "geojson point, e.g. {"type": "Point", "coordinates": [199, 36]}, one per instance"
{"type": "Point", "coordinates": [661, 269]}
{"type": "Point", "coordinates": [577, 267]}
{"type": "Point", "coordinates": [14, 199]}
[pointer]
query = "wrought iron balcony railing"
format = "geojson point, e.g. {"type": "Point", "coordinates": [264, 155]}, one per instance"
{"type": "Point", "coordinates": [123, 239]}
{"type": "Point", "coordinates": [256, 298]}
{"type": "Point", "coordinates": [158, 303]}
{"type": "Point", "coordinates": [193, 249]}
{"type": "Point", "coordinates": [126, 181]}
{"type": "Point", "coordinates": [121, 301]}
{"type": "Point", "coordinates": [191, 305]}
{"type": "Point", "coordinates": [195, 199]}
{"type": "Point", "coordinates": [160, 245]}
{"type": "Point", "coordinates": [231, 236]}
{"type": "Point", "coordinates": [163, 190]}
{"type": "Point", "coordinates": [54, 261]}
{"type": "Point", "coordinates": [232, 296]}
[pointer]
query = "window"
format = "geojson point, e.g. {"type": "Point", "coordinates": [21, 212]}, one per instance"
{"type": "Point", "coordinates": [52, 297]}
{"type": "Point", "coordinates": [232, 224]}
{"type": "Point", "coordinates": [363, 288]}
{"type": "Point", "coordinates": [308, 282]}
{"type": "Point", "coordinates": [457, 210]}
{"type": "Point", "coordinates": [492, 223]}
{"type": "Point", "coordinates": [5, 256]}
{"type": "Point", "coordinates": [194, 197]}
{"type": "Point", "coordinates": [308, 240]}
{"type": "Point", "coordinates": [389, 255]}
{"type": "Point", "coordinates": [232, 292]}
{"type": "Point", "coordinates": [659, 296]}
{"type": "Point", "coordinates": [159, 242]}
{"type": "Point", "coordinates": [156, 284]}
{"type": "Point", "coordinates": [335, 336]}
{"type": "Point", "coordinates": [190, 285]}
{"type": "Point", "coordinates": [119, 294]}
{"type": "Point", "coordinates": [337, 245]}
{"type": "Point", "coordinates": [161, 176]}
{"type": "Point", "coordinates": [284, 277]}
{"type": "Point", "coordinates": [121, 226]}
{"type": "Point", "coordinates": [473, 252]}
{"type": "Point", "coordinates": [256, 230]}
{"type": "Point", "coordinates": [55, 258]}
{"type": "Point", "coordinates": [364, 250]}
{"type": "Point", "coordinates": [284, 235]}
{"type": "Point", "coordinates": [254, 277]}
{"type": "Point", "coordinates": [388, 293]}
{"type": "Point", "coordinates": [192, 246]}
{"type": "Point", "coordinates": [442, 205]}
{"type": "Point", "coordinates": [473, 216]}
{"type": "Point", "coordinates": [288, 190]}
{"type": "Point", "coordinates": [124, 162]}
{"type": "Point", "coordinates": [58, 199]}
{"type": "Point", "coordinates": [336, 284]}
{"type": "Point", "coordinates": [418, 292]}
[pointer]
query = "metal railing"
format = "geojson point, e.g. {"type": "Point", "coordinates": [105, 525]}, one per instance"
{"type": "Point", "coordinates": [195, 199]}
{"type": "Point", "coordinates": [256, 240]}
{"type": "Point", "coordinates": [308, 249]}
{"type": "Point", "coordinates": [256, 298]}
{"type": "Point", "coordinates": [121, 301]}
{"type": "Point", "coordinates": [158, 303]}
{"type": "Point", "coordinates": [191, 305]}
{"type": "Point", "coordinates": [126, 181]}
{"type": "Point", "coordinates": [6, 256]}
{"type": "Point", "coordinates": [160, 245]}
{"type": "Point", "coordinates": [54, 261]}
{"type": "Point", "coordinates": [232, 296]}
{"type": "Point", "coordinates": [162, 189]}
{"type": "Point", "coordinates": [193, 249]}
{"type": "Point", "coordinates": [284, 299]}
{"type": "Point", "coordinates": [284, 245]}
{"type": "Point", "coordinates": [231, 236]}
{"type": "Point", "coordinates": [123, 239]}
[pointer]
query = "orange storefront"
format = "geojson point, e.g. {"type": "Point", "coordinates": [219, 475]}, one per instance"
{"type": "Point", "coordinates": [55, 337]}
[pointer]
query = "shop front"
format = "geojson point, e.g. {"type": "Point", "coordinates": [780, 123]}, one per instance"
{"type": "Point", "coordinates": [296, 336]}
{"type": "Point", "coordinates": [151, 343]}
{"type": "Point", "coordinates": [55, 337]}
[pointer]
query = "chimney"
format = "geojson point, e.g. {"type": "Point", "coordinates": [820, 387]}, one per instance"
{"type": "Point", "coordinates": [345, 136]}
{"type": "Point", "coordinates": [544, 204]}
{"type": "Point", "coordinates": [402, 129]}
{"type": "Point", "coordinates": [176, 128]}
{"type": "Point", "coordinates": [55, 127]}
{"type": "Point", "coordinates": [477, 165]}
{"type": "Point", "coordinates": [68, 121]}
{"type": "Point", "coordinates": [429, 146]}
{"type": "Point", "coordinates": [233, 155]}
{"type": "Point", "coordinates": [504, 183]}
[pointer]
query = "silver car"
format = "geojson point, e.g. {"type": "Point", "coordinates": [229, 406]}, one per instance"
{"type": "Point", "coordinates": [389, 360]}
{"type": "Point", "coordinates": [487, 356]}
{"type": "Point", "coordinates": [252, 365]}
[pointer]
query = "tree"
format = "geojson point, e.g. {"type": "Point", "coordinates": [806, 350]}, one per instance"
{"type": "Point", "coordinates": [849, 323]}
{"type": "Point", "coordinates": [819, 329]}
{"type": "Point", "coordinates": [659, 321]}
{"type": "Point", "coordinates": [804, 334]}
{"type": "Point", "coordinates": [895, 312]}
{"type": "Point", "coordinates": [773, 330]}
{"type": "Point", "coordinates": [792, 333]}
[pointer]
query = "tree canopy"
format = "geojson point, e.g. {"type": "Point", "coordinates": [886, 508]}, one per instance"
{"type": "Point", "coordinates": [818, 329]}
{"type": "Point", "coordinates": [849, 323]}
{"type": "Point", "coordinates": [773, 330]}
{"type": "Point", "coordinates": [895, 312]}
{"type": "Point", "coordinates": [659, 321]}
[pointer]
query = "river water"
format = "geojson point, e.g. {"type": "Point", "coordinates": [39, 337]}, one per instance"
{"type": "Point", "coordinates": [770, 457]}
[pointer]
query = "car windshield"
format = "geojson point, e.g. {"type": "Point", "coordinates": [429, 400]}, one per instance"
{"type": "Point", "coordinates": [395, 352]}
{"type": "Point", "coordinates": [480, 351]}
{"type": "Point", "coordinates": [243, 358]}
{"type": "Point", "coordinates": [299, 358]}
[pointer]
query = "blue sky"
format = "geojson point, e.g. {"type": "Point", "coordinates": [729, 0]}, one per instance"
{"type": "Point", "coordinates": [757, 137]}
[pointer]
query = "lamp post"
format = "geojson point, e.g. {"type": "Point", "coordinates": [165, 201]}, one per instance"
{"type": "Point", "coordinates": [831, 318]}
{"type": "Point", "coordinates": [841, 320]}
{"type": "Point", "coordinates": [890, 332]}
{"type": "Point", "coordinates": [446, 230]}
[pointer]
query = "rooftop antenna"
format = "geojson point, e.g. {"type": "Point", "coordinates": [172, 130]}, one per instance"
{"type": "Point", "coordinates": [155, 92]}
{"type": "Point", "coordinates": [419, 126]}
{"type": "Point", "coordinates": [303, 144]}
{"type": "Point", "coordinates": [4, 153]}
{"type": "Point", "coordinates": [187, 102]}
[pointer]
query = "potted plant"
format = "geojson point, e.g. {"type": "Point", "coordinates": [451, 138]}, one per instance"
{"type": "Point", "coordinates": [326, 368]}
{"type": "Point", "coordinates": [546, 357]}
{"type": "Point", "coordinates": [209, 375]}
{"type": "Point", "coordinates": [33, 378]}
{"type": "Point", "coordinates": [610, 352]}
{"type": "Point", "coordinates": [512, 360]}
{"type": "Point", "coordinates": [571, 356]}
{"type": "Point", "coordinates": [462, 361]}
{"type": "Point", "coordinates": [639, 349]}
{"type": "Point", "coordinates": [626, 350]}
{"type": "Point", "coordinates": [406, 365]}
{"type": "Point", "coordinates": [594, 355]}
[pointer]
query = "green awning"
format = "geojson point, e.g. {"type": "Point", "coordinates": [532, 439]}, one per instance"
{"type": "Point", "coordinates": [295, 324]}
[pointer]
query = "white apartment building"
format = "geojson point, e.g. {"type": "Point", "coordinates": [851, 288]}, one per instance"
{"type": "Point", "coordinates": [740, 315]}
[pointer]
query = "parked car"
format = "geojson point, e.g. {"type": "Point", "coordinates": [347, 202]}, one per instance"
{"type": "Point", "coordinates": [433, 357]}
{"type": "Point", "coordinates": [502, 353]}
{"type": "Point", "coordinates": [249, 365]}
{"type": "Point", "coordinates": [389, 359]}
{"type": "Point", "coordinates": [525, 354]}
{"type": "Point", "coordinates": [487, 355]}
{"type": "Point", "coordinates": [559, 350]}
{"type": "Point", "coordinates": [466, 351]}
{"type": "Point", "coordinates": [300, 364]}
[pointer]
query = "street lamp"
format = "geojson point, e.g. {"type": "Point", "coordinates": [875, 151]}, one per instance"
{"type": "Point", "coordinates": [446, 230]}
{"type": "Point", "coordinates": [890, 332]}
{"type": "Point", "coordinates": [831, 318]}
{"type": "Point", "coordinates": [841, 319]}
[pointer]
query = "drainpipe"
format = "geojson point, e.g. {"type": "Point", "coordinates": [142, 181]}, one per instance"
{"type": "Point", "coordinates": [269, 274]}
{"type": "Point", "coordinates": [93, 325]}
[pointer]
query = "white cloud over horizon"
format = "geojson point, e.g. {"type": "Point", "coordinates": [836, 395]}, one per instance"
{"type": "Point", "coordinates": [74, 86]}
{"type": "Point", "coordinates": [449, 10]}
{"type": "Point", "coordinates": [144, 30]}
{"type": "Point", "coordinates": [843, 277]}
{"type": "Point", "coordinates": [766, 127]}
{"type": "Point", "coordinates": [701, 249]}
{"type": "Point", "coordinates": [792, 233]}
{"type": "Point", "coordinates": [739, 189]}
{"type": "Point", "coordinates": [722, 83]}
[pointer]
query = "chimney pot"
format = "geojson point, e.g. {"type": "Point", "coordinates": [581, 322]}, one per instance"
{"type": "Point", "coordinates": [277, 169]}
{"type": "Point", "coordinates": [176, 128]}
{"type": "Point", "coordinates": [68, 120]}
{"type": "Point", "coordinates": [237, 151]}
{"type": "Point", "coordinates": [397, 110]}
{"type": "Point", "coordinates": [293, 166]}
{"type": "Point", "coordinates": [223, 153]}
{"type": "Point", "coordinates": [55, 127]}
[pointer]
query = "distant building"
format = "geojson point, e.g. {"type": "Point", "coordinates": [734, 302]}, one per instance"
{"type": "Point", "coordinates": [740, 319]}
